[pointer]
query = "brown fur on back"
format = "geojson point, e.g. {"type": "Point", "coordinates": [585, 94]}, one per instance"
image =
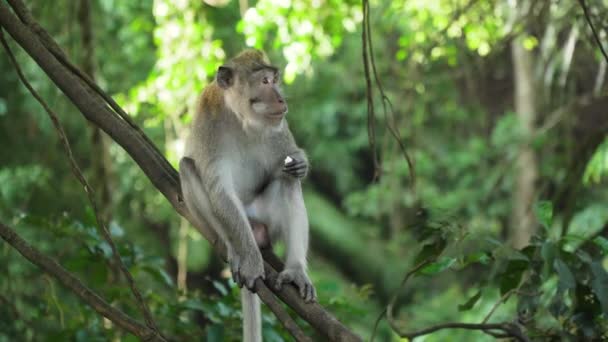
{"type": "Point", "coordinates": [211, 101]}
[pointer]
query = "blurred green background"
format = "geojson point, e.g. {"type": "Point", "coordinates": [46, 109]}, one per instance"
{"type": "Point", "coordinates": [500, 104]}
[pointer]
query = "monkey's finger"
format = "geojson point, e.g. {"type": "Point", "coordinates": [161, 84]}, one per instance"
{"type": "Point", "coordinates": [295, 165]}
{"type": "Point", "coordinates": [306, 296]}
{"type": "Point", "coordinates": [311, 295]}
{"type": "Point", "coordinates": [238, 279]}
{"type": "Point", "coordinates": [296, 171]}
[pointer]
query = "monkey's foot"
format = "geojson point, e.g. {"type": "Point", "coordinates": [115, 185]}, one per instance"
{"type": "Point", "coordinates": [247, 268]}
{"type": "Point", "coordinates": [300, 279]}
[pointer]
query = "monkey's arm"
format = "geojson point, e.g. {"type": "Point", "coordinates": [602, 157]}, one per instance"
{"type": "Point", "coordinates": [215, 203]}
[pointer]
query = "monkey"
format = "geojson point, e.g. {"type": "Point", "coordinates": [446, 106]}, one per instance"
{"type": "Point", "coordinates": [241, 175]}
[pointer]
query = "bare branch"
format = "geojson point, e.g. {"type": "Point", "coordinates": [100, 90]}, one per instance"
{"type": "Point", "coordinates": [68, 280]}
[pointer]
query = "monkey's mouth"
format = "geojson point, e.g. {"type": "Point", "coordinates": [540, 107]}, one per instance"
{"type": "Point", "coordinates": [277, 115]}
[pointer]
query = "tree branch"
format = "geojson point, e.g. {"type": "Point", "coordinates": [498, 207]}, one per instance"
{"type": "Point", "coordinates": [95, 108]}
{"type": "Point", "coordinates": [68, 280]}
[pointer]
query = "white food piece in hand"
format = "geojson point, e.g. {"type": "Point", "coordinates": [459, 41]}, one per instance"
{"type": "Point", "coordinates": [288, 160]}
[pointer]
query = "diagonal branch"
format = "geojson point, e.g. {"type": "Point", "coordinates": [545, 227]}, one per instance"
{"type": "Point", "coordinates": [68, 280]}
{"type": "Point", "coordinates": [95, 109]}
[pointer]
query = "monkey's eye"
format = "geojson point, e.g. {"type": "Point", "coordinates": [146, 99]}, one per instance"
{"type": "Point", "coordinates": [265, 80]}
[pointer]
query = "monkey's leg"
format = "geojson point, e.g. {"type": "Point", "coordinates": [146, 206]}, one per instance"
{"type": "Point", "coordinates": [228, 220]}
{"type": "Point", "coordinates": [281, 207]}
{"type": "Point", "coordinates": [196, 199]}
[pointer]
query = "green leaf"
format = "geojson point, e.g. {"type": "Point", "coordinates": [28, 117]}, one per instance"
{"type": "Point", "coordinates": [430, 250]}
{"type": "Point", "coordinates": [480, 257]}
{"type": "Point", "coordinates": [220, 287]}
{"type": "Point", "coordinates": [602, 242]}
{"type": "Point", "coordinates": [215, 333]}
{"type": "Point", "coordinates": [548, 251]}
{"type": "Point", "coordinates": [193, 304]}
{"type": "Point", "coordinates": [566, 278]}
{"type": "Point", "coordinates": [544, 213]}
{"type": "Point", "coordinates": [468, 305]}
{"type": "Point", "coordinates": [159, 274]}
{"type": "Point", "coordinates": [437, 267]}
{"type": "Point", "coordinates": [511, 277]}
{"type": "Point", "coordinates": [599, 284]}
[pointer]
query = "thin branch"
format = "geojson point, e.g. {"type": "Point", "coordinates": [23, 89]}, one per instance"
{"type": "Point", "coordinates": [595, 34]}
{"type": "Point", "coordinates": [87, 188]}
{"type": "Point", "coordinates": [68, 280]}
{"type": "Point", "coordinates": [503, 299]}
{"type": "Point", "coordinates": [371, 116]}
{"type": "Point", "coordinates": [387, 106]}
{"type": "Point", "coordinates": [408, 275]}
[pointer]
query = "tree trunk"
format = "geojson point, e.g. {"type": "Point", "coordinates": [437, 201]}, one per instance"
{"type": "Point", "coordinates": [522, 218]}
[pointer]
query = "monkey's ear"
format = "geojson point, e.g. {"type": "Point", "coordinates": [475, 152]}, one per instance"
{"type": "Point", "coordinates": [224, 77]}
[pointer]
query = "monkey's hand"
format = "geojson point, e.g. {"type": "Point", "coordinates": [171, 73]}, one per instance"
{"type": "Point", "coordinates": [299, 277]}
{"type": "Point", "coordinates": [246, 267]}
{"type": "Point", "coordinates": [297, 168]}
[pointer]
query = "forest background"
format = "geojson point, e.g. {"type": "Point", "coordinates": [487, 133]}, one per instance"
{"type": "Point", "coordinates": [459, 180]}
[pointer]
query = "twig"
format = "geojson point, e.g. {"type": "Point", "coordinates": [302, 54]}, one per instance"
{"type": "Point", "coordinates": [408, 275]}
{"type": "Point", "coordinates": [87, 188]}
{"type": "Point", "coordinates": [68, 280]}
{"type": "Point", "coordinates": [387, 106]}
{"type": "Point", "coordinates": [371, 116]}
{"type": "Point", "coordinates": [502, 299]}
{"type": "Point", "coordinates": [595, 34]}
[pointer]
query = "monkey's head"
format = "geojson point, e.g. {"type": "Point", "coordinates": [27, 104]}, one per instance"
{"type": "Point", "coordinates": [252, 89]}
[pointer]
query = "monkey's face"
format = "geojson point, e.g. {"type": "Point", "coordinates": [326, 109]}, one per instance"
{"type": "Point", "coordinates": [254, 95]}
{"type": "Point", "coordinates": [265, 97]}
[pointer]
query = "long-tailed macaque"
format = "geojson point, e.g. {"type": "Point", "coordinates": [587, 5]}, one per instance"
{"type": "Point", "coordinates": [241, 176]}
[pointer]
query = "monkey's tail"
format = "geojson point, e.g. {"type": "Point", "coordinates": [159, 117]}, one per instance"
{"type": "Point", "coordinates": [252, 316]}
